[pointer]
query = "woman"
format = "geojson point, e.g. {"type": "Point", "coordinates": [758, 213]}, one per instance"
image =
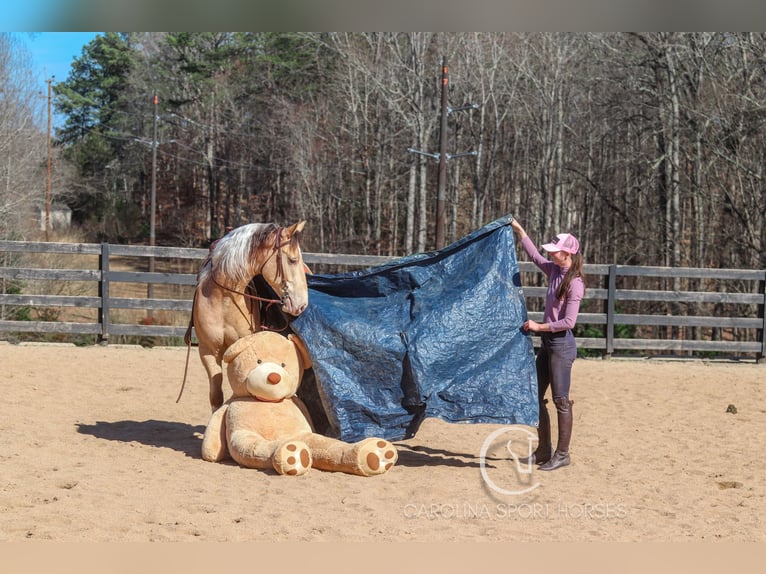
{"type": "Point", "coordinates": [566, 288]}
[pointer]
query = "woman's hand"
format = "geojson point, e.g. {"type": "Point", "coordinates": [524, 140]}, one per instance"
{"type": "Point", "coordinates": [518, 228]}
{"type": "Point", "coordinates": [534, 326]}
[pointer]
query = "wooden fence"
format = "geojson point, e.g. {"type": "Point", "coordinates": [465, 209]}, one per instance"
{"type": "Point", "coordinates": [628, 309]}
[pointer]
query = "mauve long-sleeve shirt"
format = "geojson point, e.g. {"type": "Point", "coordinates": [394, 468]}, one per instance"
{"type": "Point", "coordinates": [560, 315]}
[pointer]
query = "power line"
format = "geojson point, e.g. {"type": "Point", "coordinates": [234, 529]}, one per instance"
{"type": "Point", "coordinates": [163, 153]}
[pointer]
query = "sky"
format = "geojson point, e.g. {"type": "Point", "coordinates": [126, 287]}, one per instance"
{"type": "Point", "coordinates": [52, 56]}
{"type": "Point", "coordinates": [54, 52]}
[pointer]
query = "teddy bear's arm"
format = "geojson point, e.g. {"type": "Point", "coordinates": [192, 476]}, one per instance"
{"type": "Point", "coordinates": [214, 447]}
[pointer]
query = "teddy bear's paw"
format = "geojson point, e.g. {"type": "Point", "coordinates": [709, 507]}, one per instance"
{"type": "Point", "coordinates": [376, 456]}
{"type": "Point", "coordinates": [292, 458]}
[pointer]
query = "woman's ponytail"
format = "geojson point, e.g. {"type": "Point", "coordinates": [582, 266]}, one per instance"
{"type": "Point", "coordinates": [575, 270]}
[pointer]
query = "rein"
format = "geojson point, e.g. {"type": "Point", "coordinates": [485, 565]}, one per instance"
{"type": "Point", "coordinates": [269, 303]}
{"type": "Point", "coordinates": [247, 295]}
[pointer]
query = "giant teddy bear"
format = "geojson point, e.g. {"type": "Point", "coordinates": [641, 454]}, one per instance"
{"type": "Point", "coordinates": [264, 425]}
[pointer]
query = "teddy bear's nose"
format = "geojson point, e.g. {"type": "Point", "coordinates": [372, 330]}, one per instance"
{"type": "Point", "coordinates": [274, 378]}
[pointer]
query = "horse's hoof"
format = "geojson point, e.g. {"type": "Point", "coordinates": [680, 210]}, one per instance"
{"type": "Point", "coordinates": [292, 458]}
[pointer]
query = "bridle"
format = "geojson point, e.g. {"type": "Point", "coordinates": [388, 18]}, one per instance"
{"type": "Point", "coordinates": [280, 274]}
{"type": "Point", "coordinates": [280, 265]}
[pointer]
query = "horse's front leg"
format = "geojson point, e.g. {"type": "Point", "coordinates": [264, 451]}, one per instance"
{"type": "Point", "coordinates": [212, 365]}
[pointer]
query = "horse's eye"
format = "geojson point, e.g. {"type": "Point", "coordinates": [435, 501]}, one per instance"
{"type": "Point", "coordinates": [292, 260]}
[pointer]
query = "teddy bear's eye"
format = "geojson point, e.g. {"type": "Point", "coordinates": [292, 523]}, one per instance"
{"type": "Point", "coordinates": [283, 365]}
{"type": "Point", "coordinates": [259, 361]}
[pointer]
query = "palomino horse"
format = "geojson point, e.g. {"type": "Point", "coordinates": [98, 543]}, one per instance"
{"type": "Point", "coordinates": [223, 310]}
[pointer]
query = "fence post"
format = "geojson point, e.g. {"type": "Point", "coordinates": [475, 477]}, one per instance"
{"type": "Point", "coordinates": [103, 293]}
{"type": "Point", "coordinates": [611, 293]}
{"type": "Point", "coordinates": [761, 336]}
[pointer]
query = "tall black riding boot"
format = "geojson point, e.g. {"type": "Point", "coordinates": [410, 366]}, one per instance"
{"type": "Point", "coordinates": [543, 451]}
{"type": "Point", "coordinates": [561, 456]}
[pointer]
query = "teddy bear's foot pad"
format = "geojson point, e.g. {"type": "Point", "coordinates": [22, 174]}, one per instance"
{"type": "Point", "coordinates": [292, 458]}
{"type": "Point", "coordinates": [376, 456]}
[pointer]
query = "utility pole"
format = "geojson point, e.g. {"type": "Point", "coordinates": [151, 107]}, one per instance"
{"type": "Point", "coordinates": [442, 156]}
{"type": "Point", "coordinates": [48, 182]}
{"type": "Point", "coordinates": [153, 201]}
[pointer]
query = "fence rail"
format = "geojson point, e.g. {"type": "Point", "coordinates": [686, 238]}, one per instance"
{"type": "Point", "coordinates": [678, 310]}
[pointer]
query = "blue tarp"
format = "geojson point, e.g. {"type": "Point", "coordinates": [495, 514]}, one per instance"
{"type": "Point", "coordinates": [435, 334]}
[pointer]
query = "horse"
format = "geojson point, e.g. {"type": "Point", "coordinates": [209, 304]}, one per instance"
{"type": "Point", "coordinates": [225, 308]}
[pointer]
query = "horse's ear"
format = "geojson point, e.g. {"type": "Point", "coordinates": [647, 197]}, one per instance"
{"type": "Point", "coordinates": [288, 233]}
{"type": "Point", "coordinates": [236, 348]}
{"type": "Point", "coordinates": [296, 227]}
{"type": "Point", "coordinates": [303, 353]}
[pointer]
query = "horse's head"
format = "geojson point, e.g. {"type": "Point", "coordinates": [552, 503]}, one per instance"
{"type": "Point", "coordinates": [284, 269]}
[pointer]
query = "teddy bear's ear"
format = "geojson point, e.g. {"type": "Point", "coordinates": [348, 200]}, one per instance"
{"type": "Point", "coordinates": [303, 353]}
{"type": "Point", "coordinates": [236, 348]}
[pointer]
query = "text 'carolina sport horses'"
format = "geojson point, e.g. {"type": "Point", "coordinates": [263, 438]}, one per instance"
{"type": "Point", "coordinates": [223, 310]}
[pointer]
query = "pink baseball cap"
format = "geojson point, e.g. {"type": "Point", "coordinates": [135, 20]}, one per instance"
{"type": "Point", "coordinates": [565, 242]}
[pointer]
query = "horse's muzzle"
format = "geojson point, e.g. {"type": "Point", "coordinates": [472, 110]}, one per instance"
{"type": "Point", "coordinates": [293, 310]}
{"type": "Point", "coordinates": [292, 307]}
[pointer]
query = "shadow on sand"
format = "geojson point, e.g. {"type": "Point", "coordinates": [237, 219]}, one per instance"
{"type": "Point", "coordinates": [179, 436]}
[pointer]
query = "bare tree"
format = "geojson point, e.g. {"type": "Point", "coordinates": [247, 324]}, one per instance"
{"type": "Point", "coordinates": [23, 141]}
{"type": "Point", "coordinates": [646, 145]}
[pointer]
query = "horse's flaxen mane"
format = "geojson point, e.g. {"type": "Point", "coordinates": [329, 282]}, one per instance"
{"type": "Point", "coordinates": [235, 253]}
